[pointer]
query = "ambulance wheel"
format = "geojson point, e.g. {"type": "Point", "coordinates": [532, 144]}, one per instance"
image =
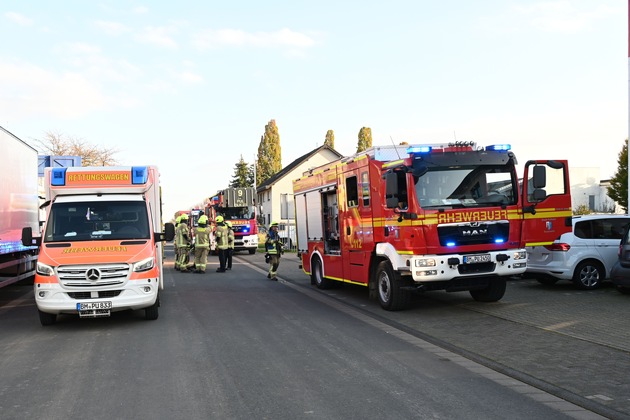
{"type": "Point", "coordinates": [47, 319]}
{"type": "Point", "coordinates": [493, 293]}
{"type": "Point", "coordinates": [151, 313]}
{"type": "Point", "coordinates": [391, 296]}
{"type": "Point", "coordinates": [317, 275]}
{"type": "Point", "coordinates": [252, 251]}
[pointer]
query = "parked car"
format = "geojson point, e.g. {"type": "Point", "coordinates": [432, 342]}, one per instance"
{"type": "Point", "coordinates": [585, 256]}
{"type": "Point", "coordinates": [620, 273]}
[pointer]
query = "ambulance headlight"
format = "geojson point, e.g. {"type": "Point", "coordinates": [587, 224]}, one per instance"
{"type": "Point", "coordinates": [144, 265]}
{"type": "Point", "coordinates": [44, 270]}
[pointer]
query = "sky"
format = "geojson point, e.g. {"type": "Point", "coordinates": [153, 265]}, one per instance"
{"type": "Point", "coordinates": [190, 85]}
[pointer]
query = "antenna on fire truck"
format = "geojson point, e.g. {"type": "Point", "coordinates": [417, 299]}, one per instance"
{"type": "Point", "coordinates": [395, 148]}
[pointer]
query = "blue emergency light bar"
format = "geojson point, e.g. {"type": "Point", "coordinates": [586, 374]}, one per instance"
{"type": "Point", "coordinates": [419, 149]}
{"type": "Point", "coordinates": [58, 177]}
{"type": "Point", "coordinates": [139, 174]}
{"type": "Point", "coordinates": [498, 147]}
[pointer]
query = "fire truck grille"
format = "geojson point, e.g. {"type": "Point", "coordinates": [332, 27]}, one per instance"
{"type": "Point", "coordinates": [473, 233]}
{"type": "Point", "coordinates": [97, 295]}
{"type": "Point", "coordinates": [93, 275]}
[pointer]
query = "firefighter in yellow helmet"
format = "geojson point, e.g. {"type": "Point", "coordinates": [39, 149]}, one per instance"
{"type": "Point", "coordinates": [182, 236]}
{"type": "Point", "coordinates": [273, 248]}
{"type": "Point", "coordinates": [202, 244]}
{"type": "Point", "coordinates": [230, 250]}
{"type": "Point", "coordinates": [175, 244]}
{"type": "Point", "coordinates": [221, 237]}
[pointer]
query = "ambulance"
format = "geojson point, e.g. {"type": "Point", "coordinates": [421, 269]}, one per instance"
{"type": "Point", "coordinates": [101, 249]}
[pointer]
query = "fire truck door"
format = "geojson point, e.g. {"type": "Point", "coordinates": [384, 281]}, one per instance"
{"type": "Point", "coordinates": [546, 198]}
{"type": "Point", "coordinates": [353, 255]}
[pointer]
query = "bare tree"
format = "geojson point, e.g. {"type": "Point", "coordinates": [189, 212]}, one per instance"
{"type": "Point", "coordinates": [57, 144]}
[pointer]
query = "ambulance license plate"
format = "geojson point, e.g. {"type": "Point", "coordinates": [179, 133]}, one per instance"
{"type": "Point", "coordinates": [475, 259]}
{"type": "Point", "coordinates": [88, 306]}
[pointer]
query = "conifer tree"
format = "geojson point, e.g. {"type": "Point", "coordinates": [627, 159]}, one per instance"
{"type": "Point", "coordinates": [330, 139]}
{"type": "Point", "coordinates": [241, 177]}
{"type": "Point", "coordinates": [365, 139]}
{"type": "Point", "coordinates": [269, 154]}
{"type": "Point", "coordinates": [618, 189]}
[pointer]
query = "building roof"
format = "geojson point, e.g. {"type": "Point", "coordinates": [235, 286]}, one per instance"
{"type": "Point", "coordinates": [287, 169]}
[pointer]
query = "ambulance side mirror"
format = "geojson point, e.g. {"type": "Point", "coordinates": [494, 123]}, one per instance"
{"type": "Point", "coordinates": [169, 232]}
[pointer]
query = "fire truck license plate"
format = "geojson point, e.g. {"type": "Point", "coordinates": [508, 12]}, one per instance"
{"type": "Point", "coordinates": [94, 305]}
{"type": "Point", "coordinates": [474, 259]}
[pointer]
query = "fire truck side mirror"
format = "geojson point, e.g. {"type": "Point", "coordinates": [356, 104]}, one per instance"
{"type": "Point", "coordinates": [540, 176]}
{"type": "Point", "coordinates": [391, 190]}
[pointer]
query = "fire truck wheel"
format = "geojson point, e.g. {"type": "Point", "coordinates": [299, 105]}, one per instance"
{"type": "Point", "coordinates": [391, 296]}
{"type": "Point", "coordinates": [151, 313]}
{"type": "Point", "coordinates": [317, 275]}
{"type": "Point", "coordinates": [493, 293]}
{"type": "Point", "coordinates": [47, 319]}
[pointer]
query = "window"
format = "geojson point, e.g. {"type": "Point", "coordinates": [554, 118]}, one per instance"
{"type": "Point", "coordinates": [352, 192]}
{"type": "Point", "coordinates": [365, 189]}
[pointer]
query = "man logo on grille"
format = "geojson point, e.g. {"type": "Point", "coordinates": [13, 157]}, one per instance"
{"type": "Point", "coordinates": [93, 274]}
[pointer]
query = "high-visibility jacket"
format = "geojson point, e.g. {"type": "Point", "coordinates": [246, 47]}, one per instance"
{"type": "Point", "coordinates": [202, 237]}
{"type": "Point", "coordinates": [221, 236]}
{"type": "Point", "coordinates": [230, 238]}
{"type": "Point", "coordinates": [182, 237]}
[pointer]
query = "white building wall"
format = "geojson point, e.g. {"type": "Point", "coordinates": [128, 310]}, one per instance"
{"type": "Point", "coordinates": [270, 200]}
{"type": "Point", "coordinates": [588, 190]}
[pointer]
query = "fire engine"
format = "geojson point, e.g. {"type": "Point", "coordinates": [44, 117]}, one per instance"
{"type": "Point", "coordinates": [101, 249]}
{"type": "Point", "coordinates": [403, 219]}
{"type": "Point", "coordinates": [238, 206]}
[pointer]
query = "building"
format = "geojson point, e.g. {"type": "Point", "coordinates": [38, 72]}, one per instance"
{"type": "Point", "coordinates": [589, 191]}
{"type": "Point", "coordinates": [275, 195]}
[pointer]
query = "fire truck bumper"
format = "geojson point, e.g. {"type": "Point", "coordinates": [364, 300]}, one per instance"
{"type": "Point", "coordinates": [430, 268]}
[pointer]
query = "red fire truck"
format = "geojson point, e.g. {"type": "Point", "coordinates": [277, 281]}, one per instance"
{"type": "Point", "coordinates": [403, 219]}
{"type": "Point", "coordinates": [237, 205]}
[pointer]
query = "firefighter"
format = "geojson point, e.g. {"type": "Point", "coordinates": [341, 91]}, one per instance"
{"type": "Point", "coordinates": [202, 244]}
{"type": "Point", "coordinates": [221, 236]}
{"type": "Point", "coordinates": [274, 250]}
{"type": "Point", "coordinates": [183, 244]}
{"type": "Point", "coordinates": [230, 250]}
{"type": "Point", "coordinates": [175, 242]}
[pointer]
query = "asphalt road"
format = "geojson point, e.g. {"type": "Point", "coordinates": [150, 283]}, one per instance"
{"type": "Point", "coordinates": [236, 345]}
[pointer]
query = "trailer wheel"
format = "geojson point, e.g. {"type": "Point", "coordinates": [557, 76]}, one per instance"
{"type": "Point", "coordinates": [151, 313]}
{"type": "Point", "coordinates": [317, 275]}
{"type": "Point", "coordinates": [47, 319]}
{"type": "Point", "coordinates": [493, 293]}
{"type": "Point", "coordinates": [391, 296]}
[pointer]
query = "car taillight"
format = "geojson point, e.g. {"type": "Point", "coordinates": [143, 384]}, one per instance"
{"type": "Point", "coordinates": [558, 247]}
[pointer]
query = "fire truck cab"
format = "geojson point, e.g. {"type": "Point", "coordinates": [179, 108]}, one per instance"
{"type": "Point", "coordinates": [402, 219]}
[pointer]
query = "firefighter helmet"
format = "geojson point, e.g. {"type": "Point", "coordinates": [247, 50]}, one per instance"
{"type": "Point", "coordinates": [184, 217]}
{"type": "Point", "coordinates": [219, 219]}
{"type": "Point", "coordinates": [273, 224]}
{"type": "Point", "coordinates": [203, 220]}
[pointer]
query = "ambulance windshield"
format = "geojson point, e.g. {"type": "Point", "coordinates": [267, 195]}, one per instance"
{"type": "Point", "coordinates": [467, 186]}
{"type": "Point", "coordinates": [89, 221]}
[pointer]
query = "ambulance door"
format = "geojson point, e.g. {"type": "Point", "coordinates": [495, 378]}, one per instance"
{"type": "Point", "coordinates": [546, 198]}
{"type": "Point", "coordinates": [354, 258]}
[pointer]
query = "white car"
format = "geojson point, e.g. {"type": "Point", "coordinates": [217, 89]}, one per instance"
{"type": "Point", "coordinates": [584, 256]}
